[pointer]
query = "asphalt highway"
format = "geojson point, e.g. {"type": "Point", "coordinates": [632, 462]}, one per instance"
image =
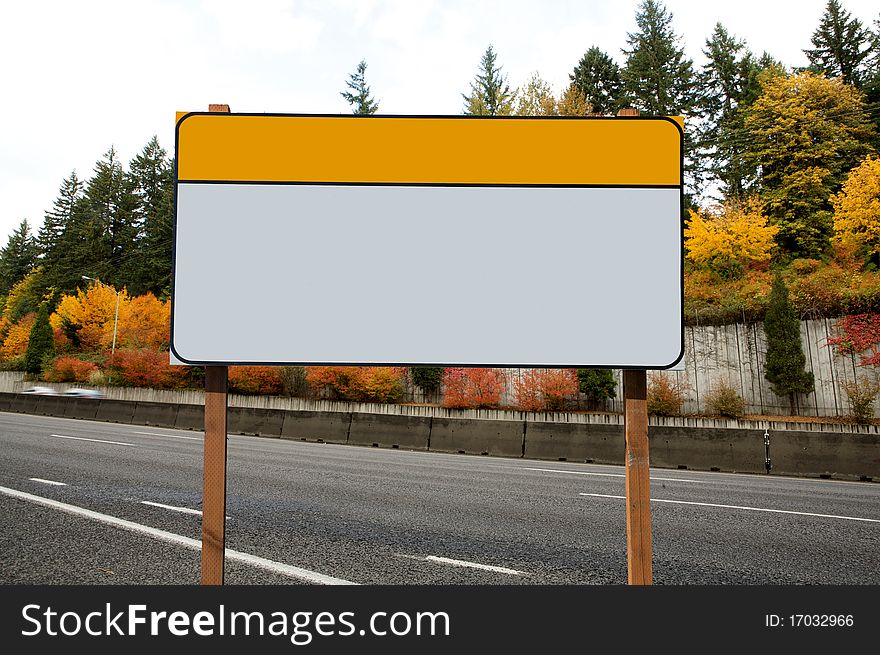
{"type": "Point", "coordinates": [91, 502]}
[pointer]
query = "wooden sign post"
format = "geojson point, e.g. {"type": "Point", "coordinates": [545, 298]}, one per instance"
{"type": "Point", "coordinates": [639, 551]}
{"type": "Point", "coordinates": [214, 490]}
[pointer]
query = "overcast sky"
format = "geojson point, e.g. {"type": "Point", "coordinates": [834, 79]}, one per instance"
{"type": "Point", "coordinates": [80, 76]}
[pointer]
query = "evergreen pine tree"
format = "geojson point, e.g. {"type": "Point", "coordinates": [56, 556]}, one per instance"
{"type": "Point", "coordinates": [784, 367]}
{"type": "Point", "coordinates": [151, 178]}
{"type": "Point", "coordinates": [659, 80]}
{"type": "Point", "coordinates": [359, 96]}
{"type": "Point", "coordinates": [490, 93]}
{"type": "Point", "coordinates": [56, 219]}
{"type": "Point", "coordinates": [597, 77]}
{"type": "Point", "coordinates": [427, 378]}
{"type": "Point", "coordinates": [41, 343]}
{"type": "Point", "coordinates": [109, 232]}
{"type": "Point", "coordinates": [842, 46]}
{"type": "Point", "coordinates": [729, 84]}
{"type": "Point", "coordinates": [597, 384]}
{"type": "Point", "coordinates": [18, 257]}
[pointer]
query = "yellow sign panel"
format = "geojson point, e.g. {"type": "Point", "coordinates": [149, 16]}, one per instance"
{"type": "Point", "coordinates": [633, 152]}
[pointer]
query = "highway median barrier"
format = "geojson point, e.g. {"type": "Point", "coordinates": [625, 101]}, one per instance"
{"type": "Point", "coordinates": [259, 422]}
{"type": "Point", "coordinates": [82, 408]}
{"type": "Point", "coordinates": [390, 431]}
{"type": "Point", "coordinates": [160, 415]}
{"type": "Point", "coordinates": [190, 417]}
{"type": "Point", "coordinates": [841, 455]}
{"type": "Point", "coordinates": [477, 437]}
{"type": "Point", "coordinates": [51, 405]}
{"type": "Point", "coordinates": [24, 403]}
{"type": "Point", "coordinates": [575, 442]}
{"type": "Point", "coordinates": [707, 449]}
{"type": "Point", "coordinates": [115, 411]}
{"type": "Point", "coordinates": [327, 427]}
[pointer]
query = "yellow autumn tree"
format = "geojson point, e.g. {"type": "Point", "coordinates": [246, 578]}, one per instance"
{"type": "Point", "coordinates": [87, 318]}
{"type": "Point", "coordinates": [146, 323]}
{"type": "Point", "coordinates": [857, 209]}
{"type": "Point", "coordinates": [572, 102]}
{"type": "Point", "coordinates": [728, 238]}
{"type": "Point", "coordinates": [16, 342]}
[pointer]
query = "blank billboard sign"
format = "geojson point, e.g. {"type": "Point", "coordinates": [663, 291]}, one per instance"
{"type": "Point", "coordinates": [533, 242]}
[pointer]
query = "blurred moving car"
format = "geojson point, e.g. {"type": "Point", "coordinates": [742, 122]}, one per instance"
{"type": "Point", "coordinates": [84, 393]}
{"type": "Point", "coordinates": [41, 391]}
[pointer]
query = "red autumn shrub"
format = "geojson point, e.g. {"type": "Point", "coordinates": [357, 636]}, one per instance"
{"type": "Point", "coordinates": [69, 369]}
{"type": "Point", "coordinates": [540, 389]}
{"type": "Point", "coordinates": [146, 368]}
{"type": "Point", "coordinates": [255, 379]}
{"type": "Point", "coordinates": [472, 387]}
{"type": "Point", "coordinates": [380, 384]}
{"type": "Point", "coordinates": [859, 334]}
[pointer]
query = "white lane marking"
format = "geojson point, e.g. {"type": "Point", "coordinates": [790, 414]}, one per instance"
{"type": "Point", "coordinates": [750, 509]}
{"type": "Point", "coordinates": [473, 565]}
{"type": "Point", "coordinates": [169, 436]}
{"type": "Point", "coordinates": [180, 540]}
{"type": "Point", "coordinates": [52, 482]}
{"type": "Point", "coordinates": [608, 475]}
{"type": "Point", "coordinates": [185, 510]}
{"type": "Point", "coordinates": [115, 443]}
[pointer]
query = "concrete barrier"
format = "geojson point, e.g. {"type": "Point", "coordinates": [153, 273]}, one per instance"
{"type": "Point", "coordinates": [575, 442]}
{"type": "Point", "coordinates": [115, 411]}
{"type": "Point", "coordinates": [190, 417]}
{"type": "Point", "coordinates": [260, 422]}
{"type": "Point", "coordinates": [390, 431]}
{"type": "Point", "coordinates": [159, 414]}
{"type": "Point", "coordinates": [329, 427]}
{"type": "Point", "coordinates": [82, 408]}
{"type": "Point", "coordinates": [704, 449]}
{"type": "Point", "coordinates": [6, 401]}
{"type": "Point", "coordinates": [475, 437]}
{"type": "Point", "coordinates": [833, 455]}
{"type": "Point", "coordinates": [23, 403]}
{"type": "Point", "coordinates": [50, 405]}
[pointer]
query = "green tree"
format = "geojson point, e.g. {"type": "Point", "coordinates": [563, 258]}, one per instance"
{"type": "Point", "coordinates": [427, 378]}
{"type": "Point", "coordinates": [55, 220]}
{"type": "Point", "coordinates": [729, 83]}
{"type": "Point", "coordinates": [151, 177]}
{"type": "Point", "coordinates": [659, 80]}
{"type": "Point", "coordinates": [842, 46]}
{"type": "Point", "coordinates": [106, 246]}
{"type": "Point", "coordinates": [18, 257]}
{"type": "Point", "coordinates": [784, 366]}
{"type": "Point", "coordinates": [41, 344]}
{"type": "Point", "coordinates": [597, 77]}
{"type": "Point", "coordinates": [536, 98]}
{"type": "Point", "coordinates": [804, 133]}
{"type": "Point", "coordinates": [490, 93]}
{"type": "Point", "coordinates": [25, 296]}
{"type": "Point", "coordinates": [597, 384]}
{"type": "Point", "coordinates": [359, 95]}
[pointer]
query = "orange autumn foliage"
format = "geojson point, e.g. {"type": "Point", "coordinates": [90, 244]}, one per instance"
{"type": "Point", "coordinates": [540, 389]}
{"type": "Point", "coordinates": [255, 379]}
{"type": "Point", "coordinates": [472, 387]}
{"type": "Point", "coordinates": [381, 384]}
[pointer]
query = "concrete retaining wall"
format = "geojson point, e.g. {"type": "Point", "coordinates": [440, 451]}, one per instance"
{"type": "Point", "coordinates": [726, 446]}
